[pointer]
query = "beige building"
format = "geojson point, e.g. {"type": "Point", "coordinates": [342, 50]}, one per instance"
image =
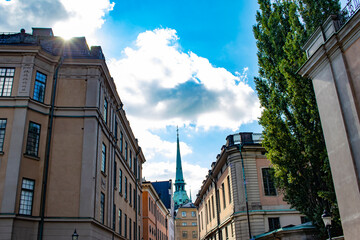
{"type": "Point", "coordinates": [186, 222]}
{"type": "Point", "coordinates": [334, 66]}
{"type": "Point", "coordinates": [68, 157]}
{"type": "Point", "coordinates": [238, 199]}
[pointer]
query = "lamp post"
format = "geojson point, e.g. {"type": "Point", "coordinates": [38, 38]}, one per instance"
{"type": "Point", "coordinates": [75, 236]}
{"type": "Point", "coordinates": [326, 217]}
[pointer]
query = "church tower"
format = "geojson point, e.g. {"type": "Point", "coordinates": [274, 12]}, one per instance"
{"type": "Point", "coordinates": [180, 195]}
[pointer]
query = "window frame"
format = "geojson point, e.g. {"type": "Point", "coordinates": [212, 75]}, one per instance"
{"type": "Point", "coordinates": [7, 80]}
{"type": "Point", "coordinates": [33, 140]}
{"type": "Point", "coordinates": [103, 158]}
{"type": "Point", "coordinates": [120, 221]}
{"type": "Point", "coordinates": [3, 122]}
{"type": "Point", "coordinates": [105, 110]}
{"type": "Point", "coordinates": [273, 221]}
{"type": "Point", "coordinates": [120, 181]}
{"type": "Point", "coordinates": [23, 197]}
{"type": "Point", "coordinates": [268, 184]}
{"type": "Point", "coordinates": [102, 208]}
{"type": "Point", "coordinates": [39, 87]}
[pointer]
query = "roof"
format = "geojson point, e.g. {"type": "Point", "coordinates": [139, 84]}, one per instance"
{"type": "Point", "coordinates": [188, 205]}
{"type": "Point", "coordinates": [162, 188]}
{"type": "Point", "coordinates": [303, 226]}
{"type": "Point", "coordinates": [74, 48]}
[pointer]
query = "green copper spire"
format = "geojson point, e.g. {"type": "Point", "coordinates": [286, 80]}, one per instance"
{"type": "Point", "coordinates": [180, 195]}
{"type": "Point", "coordinates": [179, 172]}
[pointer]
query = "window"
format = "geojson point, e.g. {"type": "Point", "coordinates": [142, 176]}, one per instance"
{"type": "Point", "coordinates": [274, 223]}
{"type": "Point", "coordinates": [115, 171]}
{"type": "Point", "coordinates": [134, 224]}
{"type": "Point", "coordinates": [209, 210]}
{"type": "Point", "coordinates": [39, 89]}
{"type": "Point", "coordinates": [184, 224]}
{"type": "Point", "coordinates": [114, 216]}
{"type": "Point", "coordinates": [125, 226]}
{"type": "Point", "coordinates": [194, 234]}
{"type": "Point", "coordinates": [304, 219]}
{"type": "Point", "coordinates": [130, 228]}
{"type": "Point", "coordinates": [130, 159]}
{"type": "Point", "coordinates": [120, 181]}
{"type": "Point", "coordinates": [126, 151]}
{"type": "Point", "coordinates": [223, 192]}
{"type": "Point", "coordinates": [32, 145]}
{"type": "Point", "coordinates": [206, 213]}
{"type": "Point", "coordinates": [212, 205]}
{"type": "Point", "coordinates": [193, 214]}
{"type": "Point", "coordinates": [121, 141]}
{"type": "Point", "coordinates": [226, 233]}
{"type": "Point", "coordinates": [134, 197]}
{"type": "Point", "coordinates": [183, 214]}
{"type": "Point", "coordinates": [105, 110]}
{"type": "Point", "coordinates": [202, 219]}
{"type": "Point", "coordinates": [125, 194]}
{"type": "Point", "coordinates": [102, 208]}
{"type": "Point", "coordinates": [6, 81]}
{"type": "Point", "coordinates": [184, 234]}
{"type": "Point", "coordinates": [138, 204]}
{"type": "Point", "coordinates": [130, 193]}
{"type": "Point", "coordinates": [2, 133]}
{"type": "Point", "coordinates": [116, 130]}
{"type": "Point", "coordinates": [269, 187]}
{"type": "Point", "coordinates": [229, 188]}
{"type": "Point", "coordinates": [120, 225]}
{"type": "Point", "coordinates": [103, 158]}
{"type": "Point", "coordinates": [193, 223]}
{"type": "Point", "coordinates": [27, 196]}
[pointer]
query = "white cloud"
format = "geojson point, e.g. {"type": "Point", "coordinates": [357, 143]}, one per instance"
{"type": "Point", "coordinates": [161, 85]}
{"type": "Point", "coordinates": [66, 17]}
{"type": "Point", "coordinates": [153, 145]}
{"type": "Point", "coordinates": [161, 171]}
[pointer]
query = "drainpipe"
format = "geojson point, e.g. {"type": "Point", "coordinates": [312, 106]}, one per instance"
{"type": "Point", "coordinates": [48, 145]}
{"type": "Point", "coordinates": [245, 188]}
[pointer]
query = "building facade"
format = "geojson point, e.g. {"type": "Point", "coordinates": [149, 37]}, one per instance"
{"type": "Point", "coordinates": [68, 157]}
{"type": "Point", "coordinates": [155, 214]}
{"type": "Point", "coordinates": [333, 65]}
{"type": "Point", "coordinates": [164, 189]}
{"type": "Point", "coordinates": [186, 222]}
{"type": "Point", "coordinates": [238, 199]}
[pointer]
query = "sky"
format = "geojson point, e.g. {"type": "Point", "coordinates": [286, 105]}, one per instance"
{"type": "Point", "coordinates": [185, 63]}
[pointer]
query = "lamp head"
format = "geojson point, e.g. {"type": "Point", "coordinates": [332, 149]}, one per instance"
{"type": "Point", "coordinates": [75, 236]}
{"type": "Point", "coordinates": [326, 217]}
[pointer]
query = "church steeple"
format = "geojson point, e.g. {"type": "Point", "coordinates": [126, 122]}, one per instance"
{"type": "Point", "coordinates": [180, 195]}
{"type": "Point", "coordinates": [179, 173]}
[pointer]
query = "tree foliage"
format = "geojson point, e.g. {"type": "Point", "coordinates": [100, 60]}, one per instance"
{"type": "Point", "coordinates": [292, 130]}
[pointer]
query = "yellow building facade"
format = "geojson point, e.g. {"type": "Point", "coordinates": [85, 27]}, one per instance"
{"type": "Point", "coordinates": [68, 157]}
{"type": "Point", "coordinates": [186, 222]}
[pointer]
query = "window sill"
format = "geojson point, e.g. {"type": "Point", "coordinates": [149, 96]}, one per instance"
{"type": "Point", "coordinates": [32, 157]}
{"type": "Point", "coordinates": [104, 174]}
{"type": "Point", "coordinates": [120, 193]}
{"type": "Point", "coordinates": [1, 153]}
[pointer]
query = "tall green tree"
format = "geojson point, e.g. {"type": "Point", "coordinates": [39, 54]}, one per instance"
{"type": "Point", "coordinates": [292, 130]}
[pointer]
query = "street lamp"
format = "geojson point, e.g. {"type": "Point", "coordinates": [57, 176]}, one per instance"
{"type": "Point", "coordinates": [75, 236]}
{"type": "Point", "coordinates": [326, 217]}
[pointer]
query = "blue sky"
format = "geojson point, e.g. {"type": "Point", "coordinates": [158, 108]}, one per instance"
{"type": "Point", "coordinates": [175, 63]}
